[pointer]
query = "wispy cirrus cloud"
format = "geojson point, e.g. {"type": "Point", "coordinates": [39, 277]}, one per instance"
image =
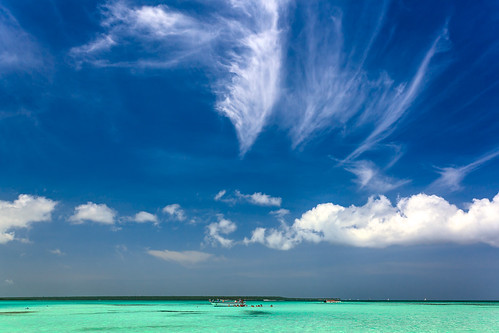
{"type": "Point", "coordinates": [451, 177]}
{"type": "Point", "coordinates": [331, 86]}
{"type": "Point", "coordinates": [22, 213]}
{"type": "Point", "coordinates": [328, 86]}
{"type": "Point", "coordinates": [396, 100]}
{"type": "Point", "coordinates": [163, 37]}
{"type": "Point", "coordinates": [419, 219]}
{"type": "Point", "coordinates": [242, 45]}
{"type": "Point", "coordinates": [247, 70]}
{"type": "Point", "coordinates": [280, 213]}
{"type": "Point", "coordinates": [251, 87]}
{"type": "Point", "coordinates": [18, 49]}
{"type": "Point", "coordinates": [371, 178]}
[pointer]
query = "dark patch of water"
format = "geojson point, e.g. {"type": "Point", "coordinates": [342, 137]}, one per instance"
{"type": "Point", "coordinates": [258, 313]}
{"type": "Point", "coordinates": [9, 313]}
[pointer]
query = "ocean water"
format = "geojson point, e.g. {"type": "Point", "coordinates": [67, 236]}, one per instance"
{"type": "Point", "coordinates": [201, 316]}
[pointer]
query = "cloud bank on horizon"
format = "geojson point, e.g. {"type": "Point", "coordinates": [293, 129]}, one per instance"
{"type": "Point", "coordinates": [419, 219]}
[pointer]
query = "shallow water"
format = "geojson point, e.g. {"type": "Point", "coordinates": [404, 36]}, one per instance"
{"type": "Point", "coordinates": [197, 316]}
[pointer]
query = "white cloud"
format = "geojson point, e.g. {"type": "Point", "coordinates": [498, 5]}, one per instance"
{"type": "Point", "coordinates": [451, 178]}
{"type": "Point", "coordinates": [369, 177]}
{"type": "Point", "coordinates": [251, 89]}
{"type": "Point", "coordinates": [248, 62]}
{"type": "Point", "coordinates": [282, 239]}
{"type": "Point", "coordinates": [419, 219]}
{"type": "Point", "coordinates": [241, 46]}
{"type": "Point", "coordinates": [93, 212]}
{"type": "Point", "coordinates": [9, 282]}
{"type": "Point", "coordinates": [332, 88]}
{"type": "Point", "coordinates": [216, 230]}
{"type": "Point", "coordinates": [183, 257]}
{"type": "Point", "coordinates": [394, 102]}
{"type": "Point", "coordinates": [219, 195]}
{"type": "Point", "coordinates": [143, 217]}
{"type": "Point", "coordinates": [57, 252]}
{"type": "Point", "coordinates": [280, 213]}
{"type": "Point", "coordinates": [163, 37]}
{"type": "Point", "coordinates": [103, 43]}
{"type": "Point", "coordinates": [21, 213]}
{"type": "Point", "coordinates": [18, 49]}
{"type": "Point", "coordinates": [175, 211]}
{"type": "Point", "coordinates": [260, 199]}
{"type": "Point", "coordinates": [257, 198]}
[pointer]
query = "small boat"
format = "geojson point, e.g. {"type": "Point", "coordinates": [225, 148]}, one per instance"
{"type": "Point", "coordinates": [228, 302]}
{"type": "Point", "coordinates": [332, 301]}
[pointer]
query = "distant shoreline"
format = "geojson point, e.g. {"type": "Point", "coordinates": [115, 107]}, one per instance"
{"type": "Point", "coordinates": [162, 298]}
{"type": "Point", "coordinates": [206, 298]}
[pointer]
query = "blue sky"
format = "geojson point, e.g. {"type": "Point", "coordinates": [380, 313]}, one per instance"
{"type": "Point", "coordinates": [295, 148]}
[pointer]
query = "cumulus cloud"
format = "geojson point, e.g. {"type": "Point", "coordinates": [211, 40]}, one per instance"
{"type": "Point", "coordinates": [257, 198]}
{"type": "Point", "coordinates": [182, 257]}
{"type": "Point", "coordinates": [221, 196]}
{"type": "Point", "coordinates": [282, 239]}
{"type": "Point", "coordinates": [144, 217]}
{"type": "Point", "coordinates": [21, 213]}
{"type": "Point", "coordinates": [369, 177]}
{"type": "Point", "coordinates": [99, 213]}
{"type": "Point", "coordinates": [260, 199]}
{"type": "Point", "coordinates": [451, 177]}
{"type": "Point", "coordinates": [175, 211]}
{"type": "Point", "coordinates": [419, 219]}
{"type": "Point", "coordinates": [215, 232]}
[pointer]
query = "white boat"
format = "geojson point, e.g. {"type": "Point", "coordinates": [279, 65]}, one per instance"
{"type": "Point", "coordinates": [228, 302]}
{"type": "Point", "coordinates": [332, 301]}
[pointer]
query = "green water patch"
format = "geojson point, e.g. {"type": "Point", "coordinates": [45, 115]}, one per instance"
{"type": "Point", "coordinates": [132, 328]}
{"type": "Point", "coordinates": [180, 311]}
{"type": "Point", "coordinates": [132, 304]}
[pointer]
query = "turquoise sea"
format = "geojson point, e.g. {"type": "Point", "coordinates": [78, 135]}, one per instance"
{"type": "Point", "coordinates": [201, 316]}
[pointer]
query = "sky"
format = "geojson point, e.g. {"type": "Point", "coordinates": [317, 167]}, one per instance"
{"type": "Point", "coordinates": [266, 147]}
